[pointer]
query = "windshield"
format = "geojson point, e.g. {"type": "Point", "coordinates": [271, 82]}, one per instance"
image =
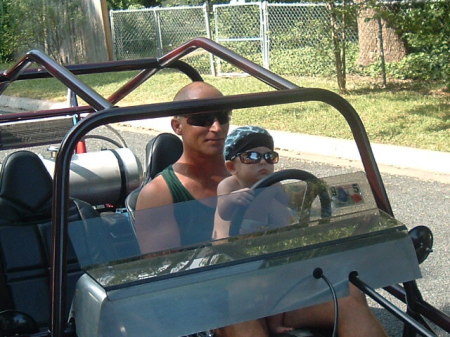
{"type": "Point", "coordinates": [305, 225]}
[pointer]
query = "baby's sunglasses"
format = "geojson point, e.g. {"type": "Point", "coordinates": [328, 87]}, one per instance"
{"type": "Point", "coordinates": [207, 119]}
{"type": "Point", "coordinates": [254, 157]}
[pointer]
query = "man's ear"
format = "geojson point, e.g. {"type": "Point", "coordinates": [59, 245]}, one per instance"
{"type": "Point", "coordinates": [230, 166]}
{"type": "Point", "coordinates": [176, 126]}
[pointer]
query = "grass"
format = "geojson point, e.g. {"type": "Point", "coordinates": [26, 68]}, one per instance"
{"type": "Point", "coordinates": [406, 113]}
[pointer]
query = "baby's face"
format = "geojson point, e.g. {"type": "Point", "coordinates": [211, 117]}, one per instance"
{"type": "Point", "coordinates": [251, 165]}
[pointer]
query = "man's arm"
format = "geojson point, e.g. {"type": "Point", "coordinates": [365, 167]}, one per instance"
{"type": "Point", "coordinates": [156, 226]}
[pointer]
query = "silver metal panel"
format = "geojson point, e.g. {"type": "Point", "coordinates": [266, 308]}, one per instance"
{"type": "Point", "coordinates": [213, 298]}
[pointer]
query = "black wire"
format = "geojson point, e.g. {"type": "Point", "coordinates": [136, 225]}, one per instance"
{"type": "Point", "coordinates": [318, 273]}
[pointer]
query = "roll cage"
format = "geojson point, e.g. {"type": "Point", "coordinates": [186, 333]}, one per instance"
{"type": "Point", "coordinates": [102, 111]}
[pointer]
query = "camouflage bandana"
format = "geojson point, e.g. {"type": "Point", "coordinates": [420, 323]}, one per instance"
{"type": "Point", "coordinates": [245, 138]}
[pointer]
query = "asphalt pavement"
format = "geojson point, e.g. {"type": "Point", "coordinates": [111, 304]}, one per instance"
{"type": "Point", "coordinates": [417, 183]}
{"type": "Point", "coordinates": [418, 162]}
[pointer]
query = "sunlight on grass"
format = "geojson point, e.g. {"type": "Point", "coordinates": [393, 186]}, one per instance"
{"type": "Point", "coordinates": [407, 114]}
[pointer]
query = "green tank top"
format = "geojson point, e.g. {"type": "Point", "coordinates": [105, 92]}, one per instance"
{"type": "Point", "coordinates": [195, 220]}
{"type": "Point", "coordinates": [177, 190]}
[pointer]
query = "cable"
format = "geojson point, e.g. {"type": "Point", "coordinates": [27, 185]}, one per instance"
{"type": "Point", "coordinates": [318, 273]}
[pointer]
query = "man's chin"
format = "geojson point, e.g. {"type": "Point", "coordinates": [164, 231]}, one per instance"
{"type": "Point", "coordinates": [214, 151]}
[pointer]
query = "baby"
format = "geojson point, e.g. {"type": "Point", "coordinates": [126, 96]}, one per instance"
{"type": "Point", "coordinates": [250, 156]}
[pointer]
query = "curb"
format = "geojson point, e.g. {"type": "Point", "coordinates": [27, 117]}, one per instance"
{"type": "Point", "coordinates": [391, 155]}
{"type": "Point", "coordinates": [29, 103]}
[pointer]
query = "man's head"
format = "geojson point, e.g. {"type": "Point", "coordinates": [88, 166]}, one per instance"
{"type": "Point", "coordinates": [201, 132]}
{"type": "Point", "coordinates": [197, 90]}
{"type": "Point", "coordinates": [249, 154]}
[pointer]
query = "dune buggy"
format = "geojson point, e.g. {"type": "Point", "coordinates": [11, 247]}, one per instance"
{"type": "Point", "coordinates": [70, 260]}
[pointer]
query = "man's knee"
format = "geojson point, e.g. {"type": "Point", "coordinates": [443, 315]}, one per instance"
{"type": "Point", "coordinates": [356, 298]}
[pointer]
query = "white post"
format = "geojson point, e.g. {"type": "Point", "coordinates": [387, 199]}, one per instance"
{"type": "Point", "coordinates": [216, 27]}
{"type": "Point", "coordinates": [160, 50]}
{"type": "Point", "coordinates": [265, 34]}
{"type": "Point", "coordinates": [209, 36]}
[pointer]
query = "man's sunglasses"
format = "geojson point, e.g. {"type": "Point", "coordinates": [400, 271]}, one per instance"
{"type": "Point", "coordinates": [254, 157]}
{"type": "Point", "coordinates": [207, 119]}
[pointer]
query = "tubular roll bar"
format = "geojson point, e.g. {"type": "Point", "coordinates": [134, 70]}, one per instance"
{"type": "Point", "coordinates": [19, 72]}
{"type": "Point", "coordinates": [14, 116]}
{"type": "Point", "coordinates": [115, 115]}
{"type": "Point", "coordinates": [59, 72]}
{"type": "Point", "coordinates": [225, 54]}
{"type": "Point", "coordinates": [108, 114]}
{"type": "Point", "coordinates": [277, 82]}
{"type": "Point", "coordinates": [171, 59]}
{"type": "Point", "coordinates": [101, 67]}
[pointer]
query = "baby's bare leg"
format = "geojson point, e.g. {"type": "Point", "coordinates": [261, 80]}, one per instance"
{"type": "Point", "coordinates": [256, 328]}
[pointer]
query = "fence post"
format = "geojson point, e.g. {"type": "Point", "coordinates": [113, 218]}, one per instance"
{"type": "Point", "coordinates": [216, 30]}
{"type": "Point", "coordinates": [160, 49]}
{"type": "Point", "coordinates": [264, 34]}
{"type": "Point", "coordinates": [113, 37]}
{"type": "Point", "coordinates": [209, 36]}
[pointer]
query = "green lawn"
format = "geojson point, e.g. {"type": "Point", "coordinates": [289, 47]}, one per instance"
{"type": "Point", "coordinates": [406, 113]}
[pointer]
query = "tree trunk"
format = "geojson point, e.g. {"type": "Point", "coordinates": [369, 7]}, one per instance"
{"type": "Point", "coordinates": [369, 44]}
{"type": "Point", "coordinates": [338, 41]}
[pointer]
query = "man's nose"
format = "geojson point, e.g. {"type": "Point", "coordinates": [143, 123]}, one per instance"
{"type": "Point", "coordinates": [215, 126]}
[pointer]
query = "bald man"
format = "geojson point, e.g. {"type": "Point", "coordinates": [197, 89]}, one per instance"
{"type": "Point", "coordinates": [194, 176]}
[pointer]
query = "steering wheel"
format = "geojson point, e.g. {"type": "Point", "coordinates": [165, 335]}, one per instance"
{"type": "Point", "coordinates": [121, 143]}
{"type": "Point", "coordinates": [321, 191]}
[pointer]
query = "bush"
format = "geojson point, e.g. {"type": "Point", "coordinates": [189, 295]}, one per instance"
{"type": "Point", "coordinates": [425, 29]}
{"type": "Point", "coordinates": [419, 66]}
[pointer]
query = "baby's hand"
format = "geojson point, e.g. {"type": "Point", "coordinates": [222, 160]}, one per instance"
{"type": "Point", "coordinates": [228, 204]}
{"type": "Point", "coordinates": [241, 197]}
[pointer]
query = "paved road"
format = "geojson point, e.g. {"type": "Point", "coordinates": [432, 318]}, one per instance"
{"type": "Point", "coordinates": [415, 201]}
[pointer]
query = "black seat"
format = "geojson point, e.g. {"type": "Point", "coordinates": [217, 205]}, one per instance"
{"type": "Point", "coordinates": [161, 151]}
{"type": "Point", "coordinates": [25, 232]}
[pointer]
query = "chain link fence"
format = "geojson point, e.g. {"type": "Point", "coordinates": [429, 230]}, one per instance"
{"type": "Point", "coordinates": [300, 39]}
{"type": "Point", "coordinates": [153, 32]}
{"type": "Point", "coordinates": [281, 37]}
{"type": "Point", "coordinates": [290, 39]}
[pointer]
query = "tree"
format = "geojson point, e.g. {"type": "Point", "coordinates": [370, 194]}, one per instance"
{"type": "Point", "coordinates": [338, 26]}
{"type": "Point", "coordinates": [378, 36]}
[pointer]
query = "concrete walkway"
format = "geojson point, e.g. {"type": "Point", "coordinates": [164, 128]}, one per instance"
{"type": "Point", "coordinates": [391, 155]}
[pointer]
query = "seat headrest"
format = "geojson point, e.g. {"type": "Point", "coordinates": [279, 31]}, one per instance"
{"type": "Point", "coordinates": [162, 151]}
{"type": "Point", "coordinates": [25, 181]}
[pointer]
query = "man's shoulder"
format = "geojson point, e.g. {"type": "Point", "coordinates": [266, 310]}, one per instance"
{"type": "Point", "coordinates": [155, 193]}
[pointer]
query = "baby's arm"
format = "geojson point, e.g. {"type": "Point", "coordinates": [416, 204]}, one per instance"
{"type": "Point", "coordinates": [226, 206]}
{"type": "Point", "coordinates": [230, 197]}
